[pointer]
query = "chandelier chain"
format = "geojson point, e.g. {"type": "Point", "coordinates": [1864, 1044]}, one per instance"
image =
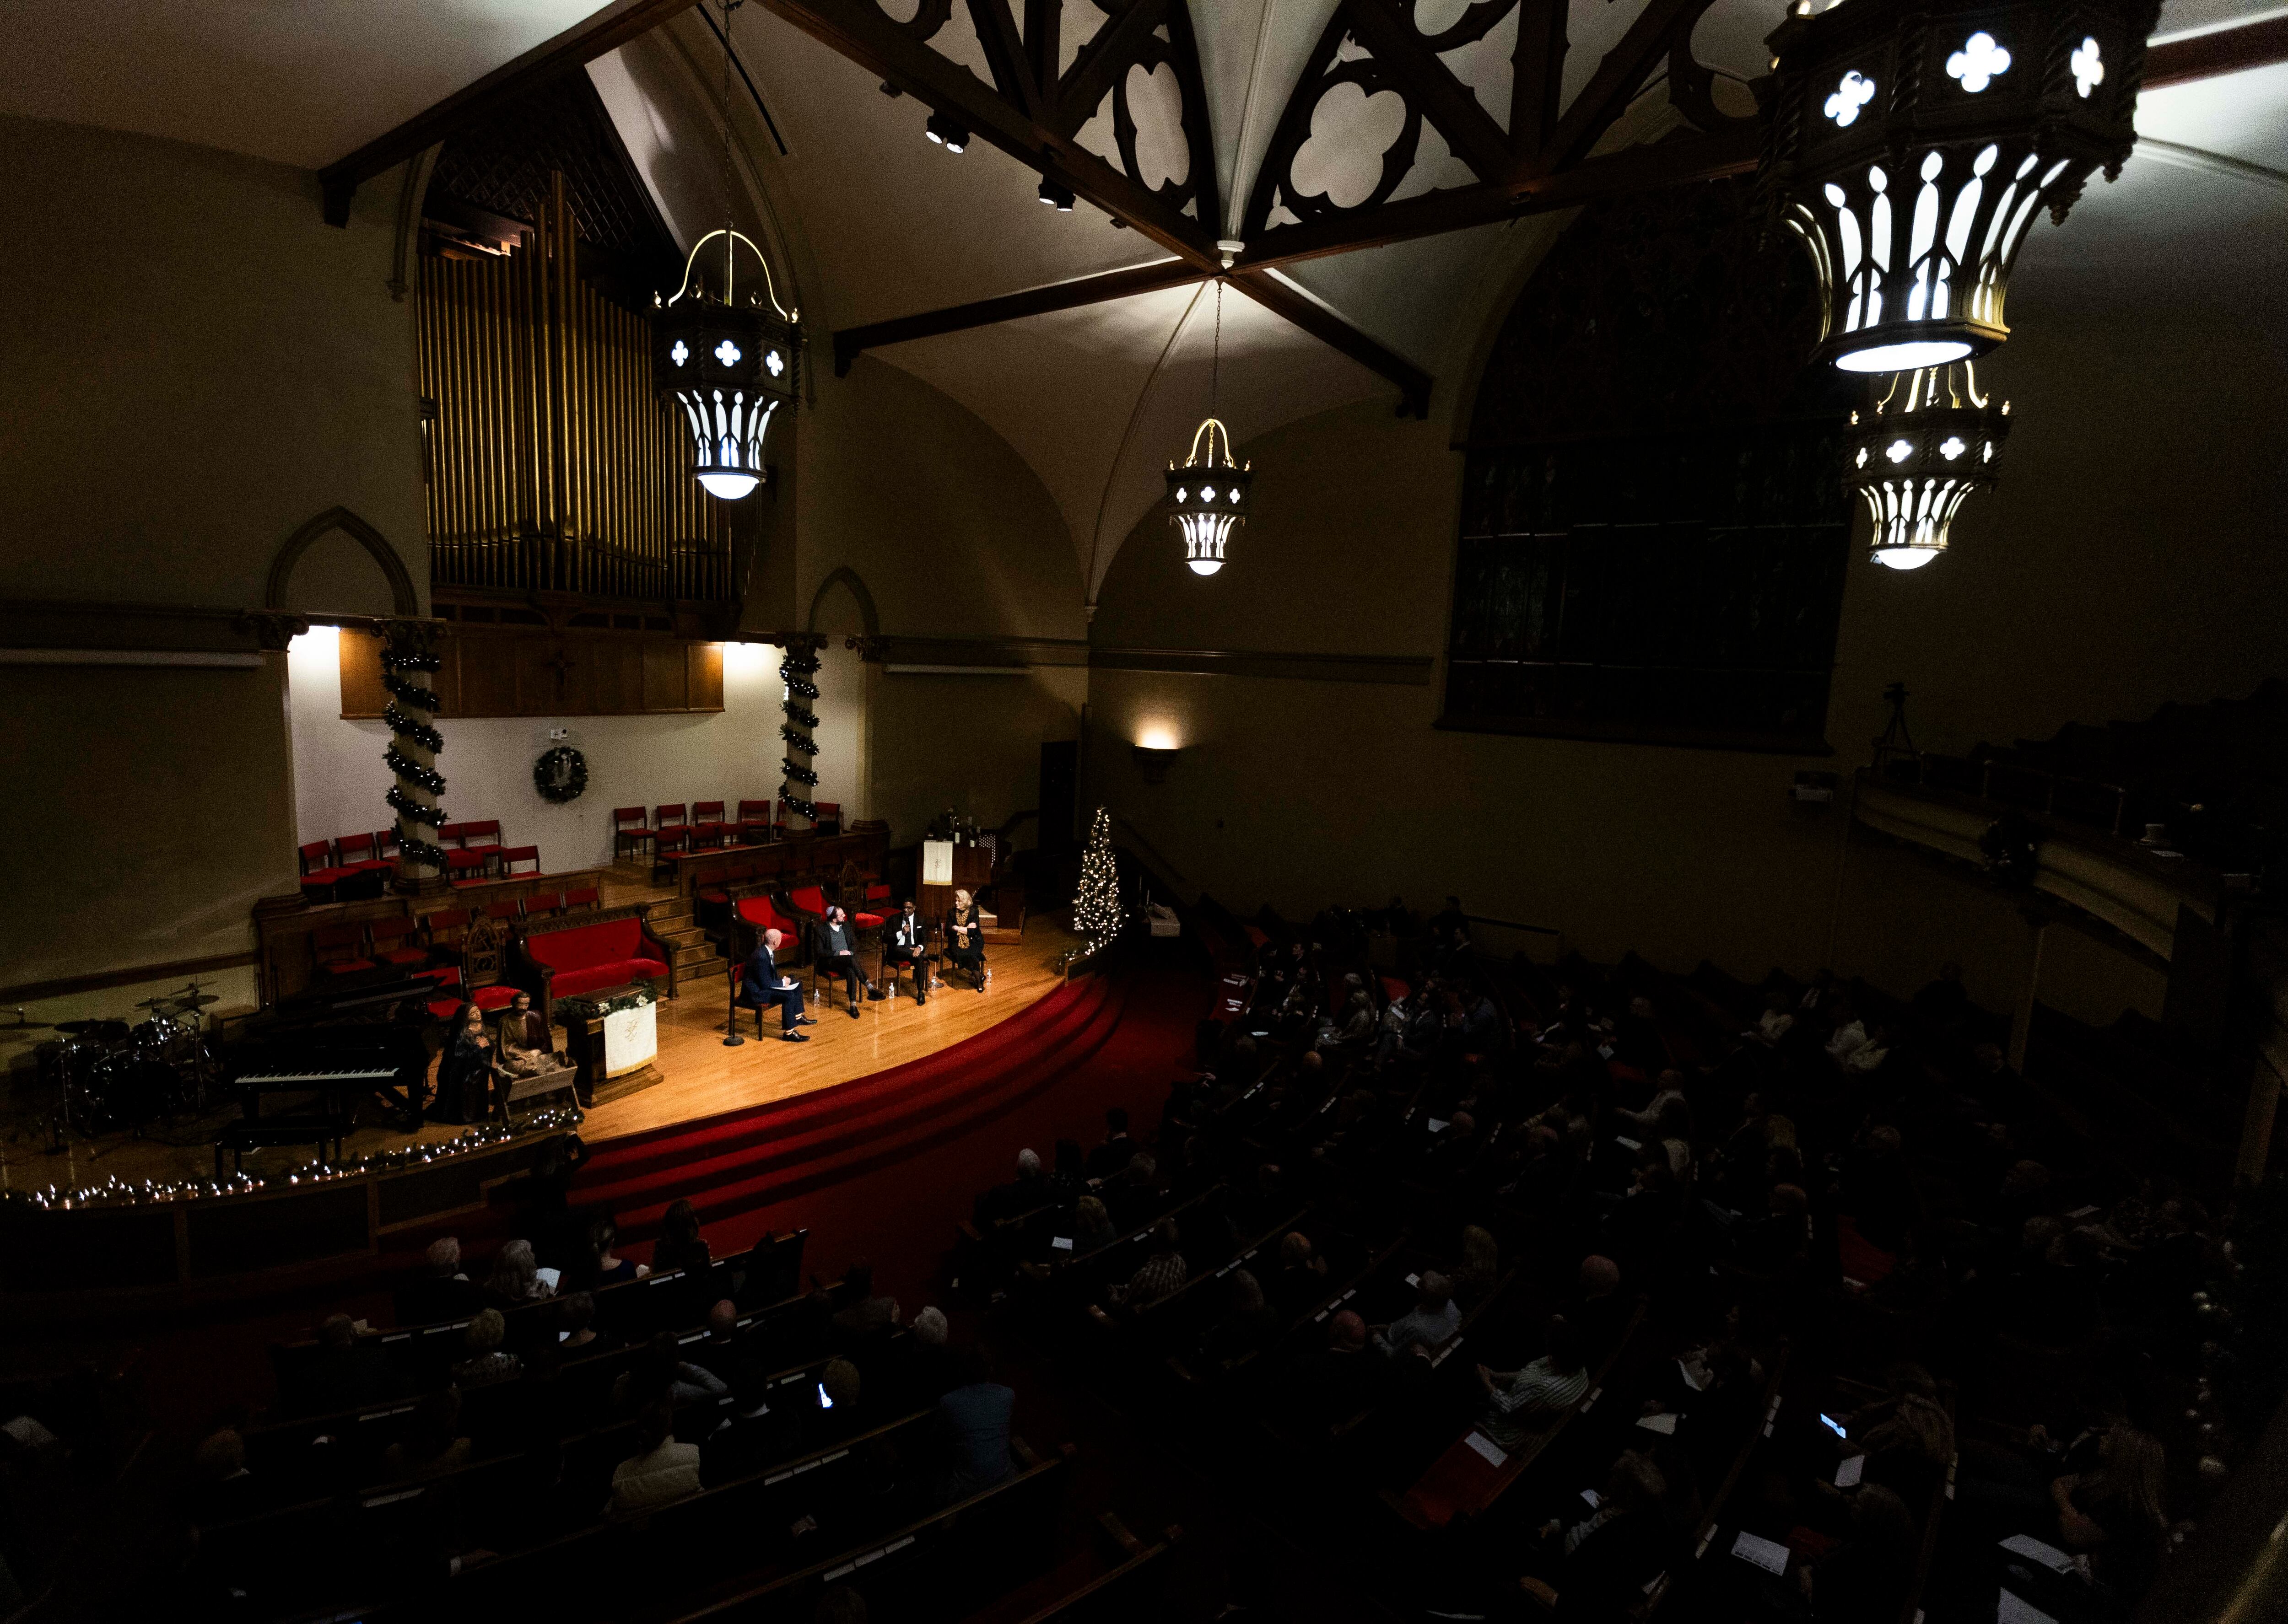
{"type": "Point", "coordinates": [1215, 355]}
{"type": "Point", "coordinates": [729, 242]}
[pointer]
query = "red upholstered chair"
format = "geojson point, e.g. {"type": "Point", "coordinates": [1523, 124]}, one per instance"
{"type": "Point", "coordinates": [491, 998]}
{"type": "Point", "coordinates": [668, 843]}
{"type": "Point", "coordinates": [359, 852]}
{"type": "Point", "coordinates": [484, 832]}
{"type": "Point", "coordinates": [631, 831]}
{"type": "Point", "coordinates": [587, 896]}
{"type": "Point", "coordinates": [755, 825]}
{"type": "Point", "coordinates": [675, 817]}
{"type": "Point", "coordinates": [320, 874]}
{"type": "Point", "coordinates": [827, 820]}
{"type": "Point", "coordinates": [467, 868]}
{"type": "Point", "coordinates": [519, 860]}
{"type": "Point", "coordinates": [761, 912]}
{"type": "Point", "coordinates": [707, 827]}
{"type": "Point", "coordinates": [340, 949]}
{"type": "Point", "coordinates": [542, 905]}
{"type": "Point", "coordinates": [398, 941]}
{"type": "Point", "coordinates": [445, 929]}
{"type": "Point", "coordinates": [505, 913]}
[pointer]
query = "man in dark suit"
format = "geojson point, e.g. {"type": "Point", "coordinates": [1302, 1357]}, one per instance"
{"type": "Point", "coordinates": [837, 948]}
{"type": "Point", "coordinates": [908, 944]}
{"type": "Point", "coordinates": [761, 986]}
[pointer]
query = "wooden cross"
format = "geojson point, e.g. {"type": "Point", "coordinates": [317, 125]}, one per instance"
{"type": "Point", "coordinates": [561, 665]}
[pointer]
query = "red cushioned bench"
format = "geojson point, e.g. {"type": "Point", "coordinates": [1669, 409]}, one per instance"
{"type": "Point", "coordinates": [579, 952]}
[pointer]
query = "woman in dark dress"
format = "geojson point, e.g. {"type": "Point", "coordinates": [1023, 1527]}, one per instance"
{"type": "Point", "coordinates": [464, 1076]}
{"type": "Point", "coordinates": [964, 937]}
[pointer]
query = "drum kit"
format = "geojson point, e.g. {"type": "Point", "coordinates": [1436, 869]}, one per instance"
{"type": "Point", "coordinates": [108, 1074]}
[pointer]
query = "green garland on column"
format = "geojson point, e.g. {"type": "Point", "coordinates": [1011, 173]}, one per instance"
{"type": "Point", "coordinates": [796, 671]}
{"type": "Point", "coordinates": [411, 710]}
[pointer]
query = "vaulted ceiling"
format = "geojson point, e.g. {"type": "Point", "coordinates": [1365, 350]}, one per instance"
{"type": "Point", "coordinates": [878, 223]}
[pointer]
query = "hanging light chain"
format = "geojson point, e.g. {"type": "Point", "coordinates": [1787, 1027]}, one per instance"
{"type": "Point", "coordinates": [730, 242]}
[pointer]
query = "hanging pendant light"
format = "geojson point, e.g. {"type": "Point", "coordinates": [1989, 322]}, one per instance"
{"type": "Point", "coordinates": [731, 367]}
{"type": "Point", "coordinates": [1207, 494]}
{"type": "Point", "coordinates": [1912, 141]}
{"type": "Point", "coordinates": [1929, 442]}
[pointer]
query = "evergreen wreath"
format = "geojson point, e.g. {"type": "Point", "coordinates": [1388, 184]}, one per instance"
{"type": "Point", "coordinates": [575, 767]}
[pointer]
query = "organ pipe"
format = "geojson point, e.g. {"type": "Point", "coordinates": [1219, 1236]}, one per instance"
{"type": "Point", "coordinates": [554, 465]}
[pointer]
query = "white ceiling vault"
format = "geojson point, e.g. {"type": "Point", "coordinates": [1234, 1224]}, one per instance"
{"type": "Point", "coordinates": [873, 222]}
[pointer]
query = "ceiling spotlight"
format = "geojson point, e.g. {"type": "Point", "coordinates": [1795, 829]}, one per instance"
{"type": "Point", "coordinates": [1057, 197]}
{"type": "Point", "coordinates": [945, 132]}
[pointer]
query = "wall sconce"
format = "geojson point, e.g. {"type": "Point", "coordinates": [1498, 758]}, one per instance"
{"type": "Point", "coordinates": [1153, 761]}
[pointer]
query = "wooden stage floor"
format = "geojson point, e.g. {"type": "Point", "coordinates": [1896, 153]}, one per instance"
{"type": "Point", "coordinates": [700, 1076]}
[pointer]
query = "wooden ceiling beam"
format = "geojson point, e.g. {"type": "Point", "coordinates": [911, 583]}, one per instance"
{"type": "Point", "coordinates": [1469, 130]}
{"type": "Point", "coordinates": [858, 29]}
{"type": "Point", "coordinates": [1621, 73]}
{"type": "Point", "coordinates": [1677, 162]}
{"type": "Point", "coordinates": [1331, 329]}
{"type": "Point", "coordinates": [1081, 291]}
{"type": "Point", "coordinates": [2224, 50]}
{"type": "Point", "coordinates": [577, 46]}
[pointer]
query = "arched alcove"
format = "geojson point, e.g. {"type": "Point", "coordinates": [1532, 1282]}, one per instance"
{"type": "Point", "coordinates": [328, 566]}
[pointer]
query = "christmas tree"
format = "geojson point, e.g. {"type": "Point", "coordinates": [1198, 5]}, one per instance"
{"type": "Point", "coordinates": [1096, 905]}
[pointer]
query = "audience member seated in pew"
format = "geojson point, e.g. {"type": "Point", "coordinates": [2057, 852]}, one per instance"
{"type": "Point", "coordinates": [660, 1470]}
{"type": "Point", "coordinates": [972, 1427]}
{"type": "Point", "coordinates": [1715, 1393]}
{"type": "Point", "coordinates": [1093, 1225]}
{"type": "Point", "coordinates": [1300, 1279]}
{"type": "Point", "coordinates": [222, 1487]}
{"type": "Point", "coordinates": [1022, 1194]}
{"type": "Point", "coordinates": [680, 1244]}
{"type": "Point", "coordinates": [484, 1361]}
{"type": "Point", "coordinates": [1339, 1378]}
{"type": "Point", "coordinates": [1431, 1324]}
{"type": "Point", "coordinates": [431, 1443]}
{"type": "Point", "coordinates": [662, 1374]}
{"type": "Point", "coordinates": [598, 1265]}
{"type": "Point", "coordinates": [723, 1351]}
{"type": "Point", "coordinates": [344, 1374]}
{"type": "Point", "coordinates": [1861, 1580]}
{"type": "Point", "coordinates": [1116, 1147]}
{"type": "Point", "coordinates": [1597, 1567]}
{"type": "Point", "coordinates": [516, 1279]}
{"type": "Point", "coordinates": [1524, 1400]}
{"type": "Point", "coordinates": [1132, 1195]}
{"type": "Point", "coordinates": [1907, 1436]}
{"type": "Point", "coordinates": [2111, 1507]}
{"type": "Point", "coordinates": [441, 1291]}
{"type": "Point", "coordinates": [932, 1371]}
{"type": "Point", "coordinates": [1248, 1325]}
{"type": "Point", "coordinates": [867, 1317]}
{"type": "Point", "coordinates": [1162, 1275]}
{"type": "Point", "coordinates": [753, 1435]}
{"type": "Point", "coordinates": [576, 1327]}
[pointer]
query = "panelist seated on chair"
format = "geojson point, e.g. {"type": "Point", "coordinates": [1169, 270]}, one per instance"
{"type": "Point", "coordinates": [908, 944]}
{"type": "Point", "coordinates": [834, 952]}
{"type": "Point", "coordinates": [964, 937]}
{"type": "Point", "coordinates": [763, 984]}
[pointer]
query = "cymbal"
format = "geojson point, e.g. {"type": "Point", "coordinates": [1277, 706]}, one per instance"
{"type": "Point", "coordinates": [167, 1004]}
{"type": "Point", "coordinates": [194, 1000]}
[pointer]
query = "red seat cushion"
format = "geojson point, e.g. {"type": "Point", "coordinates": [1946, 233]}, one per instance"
{"type": "Point", "coordinates": [758, 911]}
{"type": "Point", "coordinates": [342, 967]}
{"type": "Point", "coordinates": [867, 922]}
{"type": "Point", "coordinates": [371, 863]}
{"type": "Point", "coordinates": [494, 997]}
{"type": "Point", "coordinates": [810, 899]}
{"type": "Point", "coordinates": [448, 976]}
{"type": "Point", "coordinates": [714, 896]}
{"type": "Point", "coordinates": [443, 1009]}
{"type": "Point", "coordinates": [403, 955]}
{"type": "Point", "coordinates": [571, 984]}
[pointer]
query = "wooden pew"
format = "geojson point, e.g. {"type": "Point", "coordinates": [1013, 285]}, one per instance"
{"type": "Point", "coordinates": [1129, 1592]}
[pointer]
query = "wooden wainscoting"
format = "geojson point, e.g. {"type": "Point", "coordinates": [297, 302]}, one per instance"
{"type": "Point", "coordinates": [513, 672]}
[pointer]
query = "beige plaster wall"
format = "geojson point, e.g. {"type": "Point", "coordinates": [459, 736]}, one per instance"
{"type": "Point", "coordinates": [191, 365]}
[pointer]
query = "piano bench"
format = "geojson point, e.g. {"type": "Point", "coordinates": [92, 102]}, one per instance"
{"type": "Point", "coordinates": [263, 1133]}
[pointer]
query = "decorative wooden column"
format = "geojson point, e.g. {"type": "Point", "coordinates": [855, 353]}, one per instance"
{"type": "Point", "coordinates": [409, 662]}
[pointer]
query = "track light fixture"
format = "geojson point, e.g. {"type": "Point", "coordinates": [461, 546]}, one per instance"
{"type": "Point", "coordinates": [945, 132]}
{"type": "Point", "coordinates": [1057, 197]}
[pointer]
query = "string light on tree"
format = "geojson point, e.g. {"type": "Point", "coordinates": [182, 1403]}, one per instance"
{"type": "Point", "coordinates": [1097, 912]}
{"type": "Point", "coordinates": [796, 671]}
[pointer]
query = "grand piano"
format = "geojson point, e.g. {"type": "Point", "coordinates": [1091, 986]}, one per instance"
{"type": "Point", "coordinates": [322, 1053]}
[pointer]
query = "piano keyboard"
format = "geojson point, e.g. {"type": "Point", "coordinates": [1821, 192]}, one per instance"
{"type": "Point", "coordinates": [359, 1073]}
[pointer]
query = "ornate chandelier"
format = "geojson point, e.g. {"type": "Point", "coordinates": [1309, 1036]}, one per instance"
{"type": "Point", "coordinates": [1929, 442]}
{"type": "Point", "coordinates": [731, 367]}
{"type": "Point", "coordinates": [1206, 496]}
{"type": "Point", "coordinates": [1911, 142]}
